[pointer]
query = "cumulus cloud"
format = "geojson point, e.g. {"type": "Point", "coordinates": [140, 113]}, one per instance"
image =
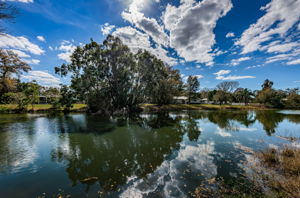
{"type": "Point", "coordinates": [236, 62]}
{"type": "Point", "coordinates": [191, 27]}
{"type": "Point", "coordinates": [19, 43]}
{"type": "Point", "coordinates": [220, 75]}
{"type": "Point", "coordinates": [67, 48]}
{"type": "Point", "coordinates": [230, 34]}
{"type": "Point", "coordinates": [186, 28]}
{"type": "Point", "coordinates": [42, 77]}
{"type": "Point", "coordinates": [41, 38]}
{"type": "Point", "coordinates": [136, 17]}
{"type": "Point", "coordinates": [137, 40]}
{"type": "Point", "coordinates": [107, 28]}
{"type": "Point", "coordinates": [280, 17]}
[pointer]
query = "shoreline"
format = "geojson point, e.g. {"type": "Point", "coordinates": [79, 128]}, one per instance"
{"type": "Point", "coordinates": [180, 107]}
{"type": "Point", "coordinates": [45, 108]}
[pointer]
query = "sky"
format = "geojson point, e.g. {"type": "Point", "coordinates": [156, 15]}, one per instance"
{"type": "Point", "coordinates": [218, 40]}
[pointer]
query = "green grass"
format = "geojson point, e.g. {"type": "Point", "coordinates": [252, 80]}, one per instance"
{"type": "Point", "coordinates": [37, 107]}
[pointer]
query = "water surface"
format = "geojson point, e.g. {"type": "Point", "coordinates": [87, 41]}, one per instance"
{"type": "Point", "coordinates": [152, 155]}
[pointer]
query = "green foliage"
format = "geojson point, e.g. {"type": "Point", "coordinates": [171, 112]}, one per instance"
{"type": "Point", "coordinates": [221, 97]}
{"type": "Point", "coordinates": [243, 95]}
{"type": "Point", "coordinates": [67, 99]}
{"type": "Point", "coordinates": [32, 93]}
{"type": "Point", "coordinates": [192, 87]}
{"type": "Point", "coordinates": [293, 99]}
{"type": "Point", "coordinates": [20, 99]}
{"type": "Point", "coordinates": [7, 98]}
{"type": "Point", "coordinates": [271, 98]}
{"type": "Point", "coordinates": [10, 64]}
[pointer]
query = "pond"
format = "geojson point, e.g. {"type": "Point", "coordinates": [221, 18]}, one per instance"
{"type": "Point", "coordinates": [151, 155]}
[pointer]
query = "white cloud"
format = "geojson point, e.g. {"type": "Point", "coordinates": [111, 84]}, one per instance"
{"type": "Point", "coordinates": [236, 62]}
{"type": "Point", "coordinates": [280, 17]}
{"type": "Point", "coordinates": [107, 28]}
{"type": "Point", "coordinates": [67, 48]}
{"type": "Point", "coordinates": [282, 47]}
{"type": "Point", "coordinates": [150, 26]}
{"type": "Point", "coordinates": [137, 40]}
{"type": "Point", "coordinates": [191, 26]}
{"type": "Point", "coordinates": [230, 34]}
{"type": "Point", "coordinates": [220, 75]}
{"type": "Point", "coordinates": [43, 78]}
{"type": "Point", "coordinates": [294, 62]}
{"type": "Point", "coordinates": [222, 72]}
{"type": "Point", "coordinates": [187, 28]}
{"type": "Point", "coordinates": [19, 43]}
{"type": "Point", "coordinates": [41, 38]}
{"type": "Point", "coordinates": [32, 61]}
{"type": "Point", "coordinates": [284, 57]}
{"type": "Point", "coordinates": [20, 53]}
{"type": "Point", "coordinates": [254, 66]}
{"type": "Point", "coordinates": [22, 1]}
{"type": "Point", "coordinates": [199, 76]}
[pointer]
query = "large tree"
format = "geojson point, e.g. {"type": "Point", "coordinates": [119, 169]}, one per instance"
{"type": "Point", "coordinates": [224, 91]}
{"type": "Point", "coordinates": [10, 64]}
{"type": "Point", "coordinates": [243, 95]}
{"type": "Point", "coordinates": [227, 86]}
{"type": "Point", "coordinates": [111, 79]}
{"type": "Point", "coordinates": [192, 86]}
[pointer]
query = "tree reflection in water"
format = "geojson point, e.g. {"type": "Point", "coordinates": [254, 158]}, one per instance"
{"type": "Point", "coordinates": [129, 150]}
{"type": "Point", "coordinates": [115, 151]}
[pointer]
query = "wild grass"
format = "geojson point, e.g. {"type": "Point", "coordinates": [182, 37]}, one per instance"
{"type": "Point", "coordinates": [281, 171]}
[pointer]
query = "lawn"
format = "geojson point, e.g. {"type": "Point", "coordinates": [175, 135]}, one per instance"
{"type": "Point", "coordinates": [37, 107]}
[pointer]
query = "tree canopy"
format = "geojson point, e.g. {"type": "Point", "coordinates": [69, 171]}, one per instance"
{"type": "Point", "coordinates": [111, 79]}
{"type": "Point", "coordinates": [10, 64]}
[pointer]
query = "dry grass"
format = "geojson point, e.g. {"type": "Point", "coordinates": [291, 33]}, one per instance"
{"type": "Point", "coordinates": [281, 171]}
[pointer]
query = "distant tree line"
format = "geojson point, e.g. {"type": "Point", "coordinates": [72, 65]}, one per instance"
{"type": "Point", "coordinates": [229, 92]}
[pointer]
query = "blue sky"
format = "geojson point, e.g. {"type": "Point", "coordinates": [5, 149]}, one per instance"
{"type": "Point", "coordinates": [246, 41]}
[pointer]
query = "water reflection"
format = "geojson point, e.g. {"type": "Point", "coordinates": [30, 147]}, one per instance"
{"type": "Point", "coordinates": [160, 155]}
{"type": "Point", "coordinates": [129, 150]}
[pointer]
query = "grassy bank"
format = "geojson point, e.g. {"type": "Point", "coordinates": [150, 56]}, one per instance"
{"type": "Point", "coordinates": [178, 107]}
{"type": "Point", "coordinates": [13, 108]}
